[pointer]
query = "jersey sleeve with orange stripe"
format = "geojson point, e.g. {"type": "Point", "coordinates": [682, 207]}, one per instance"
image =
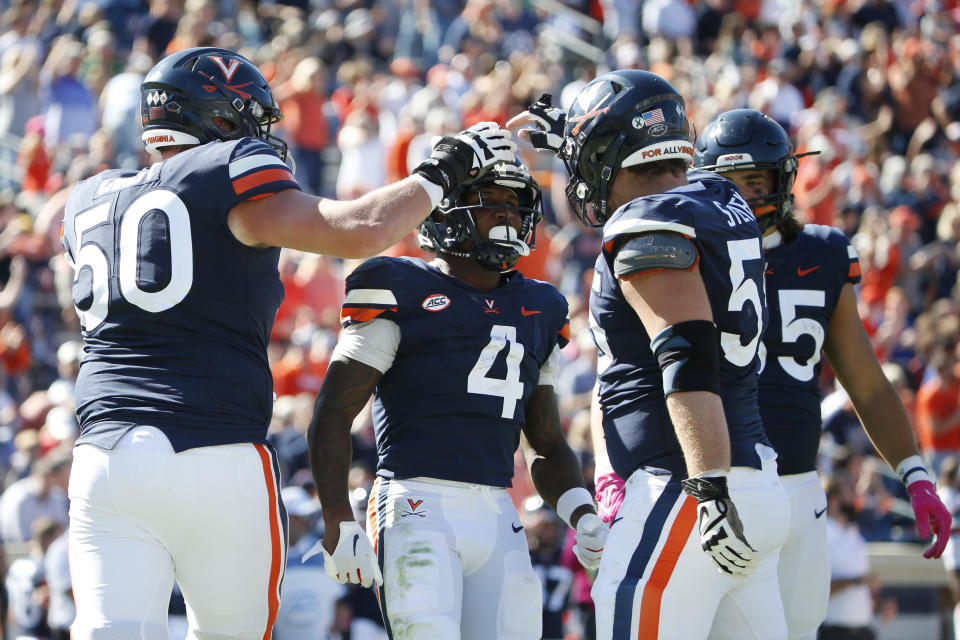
{"type": "Point", "coordinates": [256, 171]}
{"type": "Point", "coordinates": [366, 298]}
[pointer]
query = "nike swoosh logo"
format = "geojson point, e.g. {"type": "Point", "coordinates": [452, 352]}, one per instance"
{"type": "Point", "coordinates": [356, 539]}
{"type": "Point", "coordinates": [803, 272]}
{"type": "Point", "coordinates": [531, 312]}
{"type": "Point", "coordinates": [517, 528]}
{"type": "Point", "coordinates": [818, 512]}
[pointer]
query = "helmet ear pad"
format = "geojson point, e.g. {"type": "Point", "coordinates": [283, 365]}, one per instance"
{"type": "Point", "coordinates": [743, 139]}
{"type": "Point", "coordinates": [620, 119]}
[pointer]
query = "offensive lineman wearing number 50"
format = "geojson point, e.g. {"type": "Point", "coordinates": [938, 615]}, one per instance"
{"type": "Point", "coordinates": [177, 287]}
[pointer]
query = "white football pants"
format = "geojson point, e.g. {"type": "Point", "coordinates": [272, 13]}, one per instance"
{"type": "Point", "coordinates": [656, 582]}
{"type": "Point", "coordinates": [142, 516]}
{"type": "Point", "coordinates": [804, 572]}
{"type": "Point", "coordinates": [455, 562]}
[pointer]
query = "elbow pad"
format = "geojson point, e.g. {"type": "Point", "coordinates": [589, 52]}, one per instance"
{"type": "Point", "coordinates": [689, 357]}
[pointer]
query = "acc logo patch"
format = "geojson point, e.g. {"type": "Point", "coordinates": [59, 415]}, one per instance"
{"type": "Point", "coordinates": [435, 302]}
{"type": "Point", "coordinates": [658, 129]}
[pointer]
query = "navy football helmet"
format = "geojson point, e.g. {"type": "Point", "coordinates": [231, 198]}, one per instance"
{"type": "Point", "coordinates": [184, 92]}
{"type": "Point", "coordinates": [620, 119]}
{"type": "Point", "coordinates": [748, 139]}
{"type": "Point", "coordinates": [455, 231]}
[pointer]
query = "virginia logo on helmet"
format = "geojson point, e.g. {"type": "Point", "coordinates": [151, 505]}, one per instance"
{"type": "Point", "coordinates": [228, 68]}
{"type": "Point", "coordinates": [207, 84]}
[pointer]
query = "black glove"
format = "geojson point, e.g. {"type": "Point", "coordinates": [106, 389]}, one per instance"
{"type": "Point", "coordinates": [721, 532]}
{"type": "Point", "coordinates": [550, 120]}
{"type": "Point", "coordinates": [466, 155]}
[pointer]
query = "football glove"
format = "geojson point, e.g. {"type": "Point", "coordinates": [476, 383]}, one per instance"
{"type": "Point", "coordinates": [721, 532]}
{"type": "Point", "coordinates": [464, 156]}
{"type": "Point", "coordinates": [932, 516]}
{"type": "Point", "coordinates": [353, 560]}
{"type": "Point", "coordinates": [930, 512]}
{"type": "Point", "coordinates": [608, 490]}
{"type": "Point", "coordinates": [550, 121]}
{"type": "Point", "coordinates": [589, 540]}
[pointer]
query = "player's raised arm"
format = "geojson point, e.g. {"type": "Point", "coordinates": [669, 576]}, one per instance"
{"type": "Point", "coordinates": [206, 94]}
{"type": "Point", "coordinates": [365, 226]}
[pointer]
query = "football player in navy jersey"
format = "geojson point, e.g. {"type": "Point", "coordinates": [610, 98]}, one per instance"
{"type": "Point", "coordinates": [177, 287]}
{"type": "Point", "coordinates": [461, 356]}
{"type": "Point", "coordinates": [677, 312]}
{"type": "Point", "coordinates": [810, 273]}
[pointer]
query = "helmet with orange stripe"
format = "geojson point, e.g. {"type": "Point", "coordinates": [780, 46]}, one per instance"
{"type": "Point", "coordinates": [204, 94]}
{"type": "Point", "coordinates": [744, 139]}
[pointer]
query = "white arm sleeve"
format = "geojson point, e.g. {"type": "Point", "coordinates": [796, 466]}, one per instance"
{"type": "Point", "coordinates": [550, 368]}
{"type": "Point", "coordinates": [373, 343]}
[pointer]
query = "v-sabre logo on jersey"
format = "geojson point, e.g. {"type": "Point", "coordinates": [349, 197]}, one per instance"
{"type": "Point", "coordinates": [491, 306]}
{"type": "Point", "coordinates": [435, 302]}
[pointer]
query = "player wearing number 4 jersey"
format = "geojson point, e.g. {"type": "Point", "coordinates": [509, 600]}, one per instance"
{"type": "Point", "coordinates": [177, 287]}
{"type": "Point", "coordinates": [810, 275]}
{"type": "Point", "coordinates": [461, 356]}
{"type": "Point", "coordinates": [677, 312]}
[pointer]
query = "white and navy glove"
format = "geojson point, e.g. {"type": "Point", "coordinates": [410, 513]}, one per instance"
{"type": "Point", "coordinates": [721, 532]}
{"type": "Point", "coordinates": [550, 121]}
{"type": "Point", "coordinates": [353, 560]}
{"type": "Point", "coordinates": [464, 156]}
{"type": "Point", "coordinates": [590, 539]}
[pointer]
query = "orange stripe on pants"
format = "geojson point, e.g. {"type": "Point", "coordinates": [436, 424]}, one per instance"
{"type": "Point", "coordinates": [649, 627]}
{"type": "Point", "coordinates": [372, 515]}
{"type": "Point", "coordinates": [276, 544]}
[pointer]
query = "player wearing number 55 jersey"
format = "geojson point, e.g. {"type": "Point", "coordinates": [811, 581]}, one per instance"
{"type": "Point", "coordinates": [810, 275]}
{"type": "Point", "coordinates": [177, 287]}
{"type": "Point", "coordinates": [461, 356]}
{"type": "Point", "coordinates": [677, 313]}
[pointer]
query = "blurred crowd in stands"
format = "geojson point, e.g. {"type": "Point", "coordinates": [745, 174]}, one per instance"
{"type": "Point", "coordinates": [364, 85]}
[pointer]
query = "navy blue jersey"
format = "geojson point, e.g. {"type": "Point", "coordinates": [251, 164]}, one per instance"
{"type": "Point", "coordinates": [453, 402]}
{"type": "Point", "coordinates": [804, 280]}
{"type": "Point", "coordinates": [176, 312]}
{"type": "Point", "coordinates": [636, 425]}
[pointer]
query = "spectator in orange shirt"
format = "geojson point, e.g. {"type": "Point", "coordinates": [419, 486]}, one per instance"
{"type": "Point", "coordinates": [938, 410]}
{"type": "Point", "coordinates": [303, 101]}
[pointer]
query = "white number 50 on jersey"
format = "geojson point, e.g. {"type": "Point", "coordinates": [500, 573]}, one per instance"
{"type": "Point", "coordinates": [95, 258]}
